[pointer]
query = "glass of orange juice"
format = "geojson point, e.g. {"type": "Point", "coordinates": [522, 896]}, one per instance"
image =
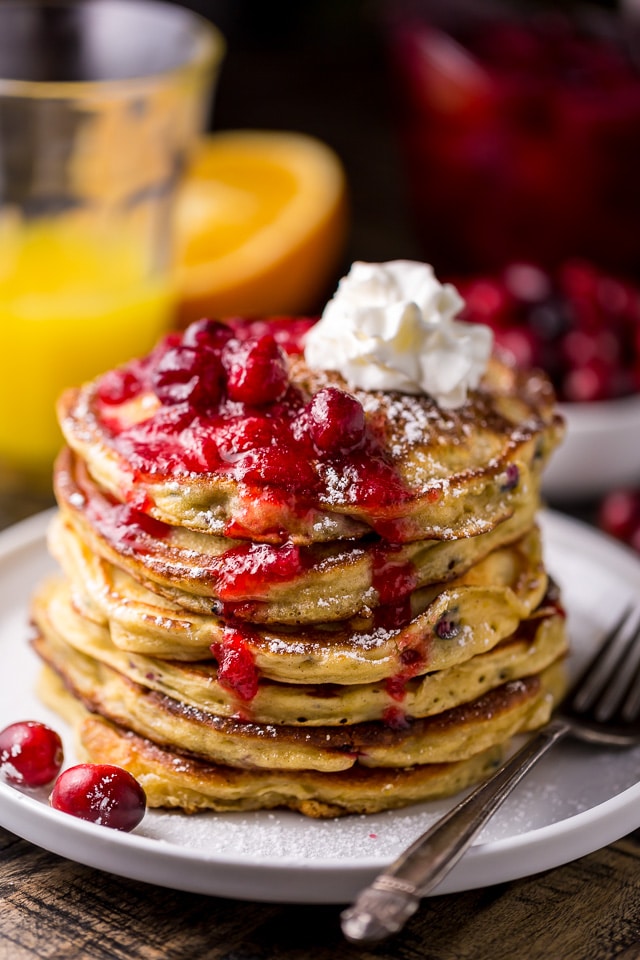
{"type": "Point", "coordinates": [100, 104]}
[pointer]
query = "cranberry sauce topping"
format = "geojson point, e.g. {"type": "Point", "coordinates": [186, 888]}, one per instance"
{"type": "Point", "coordinates": [394, 616]}
{"type": "Point", "coordinates": [185, 374]}
{"type": "Point", "coordinates": [236, 664]}
{"type": "Point", "coordinates": [412, 661]}
{"type": "Point", "coordinates": [247, 570]}
{"type": "Point", "coordinates": [396, 687]}
{"type": "Point", "coordinates": [577, 322]}
{"type": "Point", "coordinates": [218, 399]}
{"type": "Point", "coordinates": [393, 580]}
{"type": "Point", "coordinates": [256, 370]}
{"type": "Point", "coordinates": [130, 531]}
{"type": "Point", "coordinates": [552, 599]}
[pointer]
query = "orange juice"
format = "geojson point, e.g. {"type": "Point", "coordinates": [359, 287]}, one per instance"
{"type": "Point", "coordinates": [71, 305]}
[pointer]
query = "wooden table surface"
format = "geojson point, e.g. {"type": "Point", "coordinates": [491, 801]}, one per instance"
{"type": "Point", "coordinates": [56, 909]}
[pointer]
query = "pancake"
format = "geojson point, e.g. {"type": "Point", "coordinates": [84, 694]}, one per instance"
{"type": "Point", "coordinates": [173, 781]}
{"type": "Point", "coordinates": [265, 583]}
{"type": "Point", "coordinates": [455, 734]}
{"type": "Point", "coordinates": [434, 628]}
{"type": "Point", "coordinates": [536, 644]}
{"type": "Point", "coordinates": [278, 590]}
{"type": "Point", "coordinates": [420, 472]}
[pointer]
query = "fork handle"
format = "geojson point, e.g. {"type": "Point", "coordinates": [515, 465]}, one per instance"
{"type": "Point", "coordinates": [383, 908]}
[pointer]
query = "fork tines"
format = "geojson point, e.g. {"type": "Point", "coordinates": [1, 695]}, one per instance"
{"type": "Point", "coordinates": [609, 686]}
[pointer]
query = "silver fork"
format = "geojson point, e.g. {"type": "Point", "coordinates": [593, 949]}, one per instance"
{"type": "Point", "coordinates": [601, 707]}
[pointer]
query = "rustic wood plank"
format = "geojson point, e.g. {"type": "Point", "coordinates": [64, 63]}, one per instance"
{"type": "Point", "coordinates": [586, 909]}
{"type": "Point", "coordinates": [54, 909]}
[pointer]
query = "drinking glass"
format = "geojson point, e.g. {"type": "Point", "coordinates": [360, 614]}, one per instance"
{"type": "Point", "coordinates": [100, 104]}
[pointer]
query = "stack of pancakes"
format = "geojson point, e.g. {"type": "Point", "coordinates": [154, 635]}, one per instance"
{"type": "Point", "coordinates": [246, 621]}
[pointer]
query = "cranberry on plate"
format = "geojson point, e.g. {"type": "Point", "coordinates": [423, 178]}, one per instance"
{"type": "Point", "coordinates": [102, 793]}
{"type": "Point", "coordinates": [31, 753]}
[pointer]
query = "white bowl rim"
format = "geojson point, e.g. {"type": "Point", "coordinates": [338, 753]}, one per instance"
{"type": "Point", "coordinates": [601, 415]}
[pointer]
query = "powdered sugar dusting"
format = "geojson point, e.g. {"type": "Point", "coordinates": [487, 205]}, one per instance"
{"type": "Point", "coordinates": [282, 836]}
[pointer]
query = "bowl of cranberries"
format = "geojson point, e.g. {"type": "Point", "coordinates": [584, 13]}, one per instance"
{"type": "Point", "coordinates": [581, 324]}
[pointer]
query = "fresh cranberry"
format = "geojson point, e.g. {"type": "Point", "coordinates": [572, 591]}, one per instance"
{"type": "Point", "coordinates": [336, 421]}
{"type": "Point", "coordinates": [101, 793]}
{"type": "Point", "coordinates": [579, 280]}
{"type": "Point", "coordinates": [30, 753]}
{"type": "Point", "coordinates": [257, 372]}
{"type": "Point", "coordinates": [248, 569]}
{"type": "Point", "coordinates": [614, 296]}
{"type": "Point", "coordinates": [184, 374]}
{"type": "Point", "coordinates": [586, 314]}
{"type": "Point", "coordinates": [527, 283]}
{"type": "Point", "coordinates": [581, 347]}
{"type": "Point", "coordinates": [447, 627]}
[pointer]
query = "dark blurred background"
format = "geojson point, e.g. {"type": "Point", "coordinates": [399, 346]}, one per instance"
{"type": "Point", "coordinates": [323, 67]}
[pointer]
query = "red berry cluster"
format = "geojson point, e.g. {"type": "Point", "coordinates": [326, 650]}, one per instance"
{"type": "Point", "coordinates": [31, 755]}
{"type": "Point", "coordinates": [233, 380]}
{"type": "Point", "coordinates": [578, 323]}
{"type": "Point", "coordinates": [209, 361]}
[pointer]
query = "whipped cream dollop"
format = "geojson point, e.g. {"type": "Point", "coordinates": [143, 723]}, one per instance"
{"type": "Point", "coordinates": [391, 326]}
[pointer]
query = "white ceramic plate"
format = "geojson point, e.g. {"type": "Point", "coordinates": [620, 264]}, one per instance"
{"type": "Point", "coordinates": [577, 800]}
{"type": "Point", "coordinates": [601, 450]}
